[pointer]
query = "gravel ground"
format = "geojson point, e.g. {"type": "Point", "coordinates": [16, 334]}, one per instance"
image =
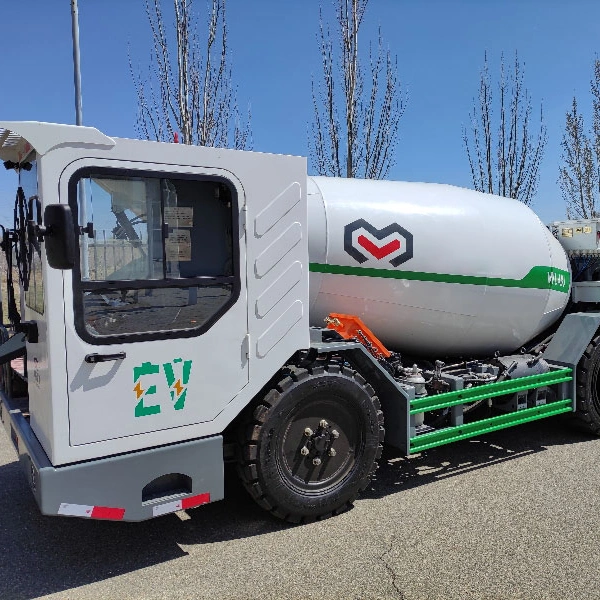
{"type": "Point", "coordinates": [506, 516]}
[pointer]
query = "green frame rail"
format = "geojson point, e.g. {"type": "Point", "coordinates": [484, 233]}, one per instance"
{"type": "Point", "coordinates": [462, 432]}
{"type": "Point", "coordinates": [456, 433]}
{"type": "Point", "coordinates": [489, 390]}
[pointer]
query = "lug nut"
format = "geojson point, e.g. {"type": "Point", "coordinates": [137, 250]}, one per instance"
{"type": "Point", "coordinates": [316, 461]}
{"type": "Point", "coordinates": [308, 432]}
{"type": "Point", "coordinates": [304, 451]}
{"type": "Point", "coordinates": [323, 424]}
{"type": "Point", "coordinates": [332, 452]}
{"type": "Point", "coordinates": [335, 434]}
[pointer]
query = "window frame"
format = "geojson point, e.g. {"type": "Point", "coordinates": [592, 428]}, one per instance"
{"type": "Point", "coordinates": [80, 286]}
{"type": "Point", "coordinates": [34, 208]}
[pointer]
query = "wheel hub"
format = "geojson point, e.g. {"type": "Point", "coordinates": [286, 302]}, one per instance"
{"type": "Point", "coordinates": [318, 443]}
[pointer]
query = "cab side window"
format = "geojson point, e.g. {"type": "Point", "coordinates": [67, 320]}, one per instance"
{"type": "Point", "coordinates": [163, 259]}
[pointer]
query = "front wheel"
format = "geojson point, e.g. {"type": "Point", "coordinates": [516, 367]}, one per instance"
{"type": "Point", "coordinates": [311, 444]}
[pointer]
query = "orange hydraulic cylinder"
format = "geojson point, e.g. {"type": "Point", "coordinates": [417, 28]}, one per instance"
{"type": "Point", "coordinates": [352, 327]}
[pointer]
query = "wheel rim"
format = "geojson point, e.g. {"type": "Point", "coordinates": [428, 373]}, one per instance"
{"type": "Point", "coordinates": [319, 444]}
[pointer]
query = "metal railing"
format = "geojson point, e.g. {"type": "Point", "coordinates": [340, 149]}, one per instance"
{"type": "Point", "coordinates": [108, 255]}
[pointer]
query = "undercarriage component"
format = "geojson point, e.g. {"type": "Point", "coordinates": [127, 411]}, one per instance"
{"type": "Point", "coordinates": [12, 348]}
{"type": "Point", "coordinates": [522, 365]}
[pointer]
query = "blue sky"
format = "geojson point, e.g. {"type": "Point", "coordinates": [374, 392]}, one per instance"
{"type": "Point", "coordinates": [440, 46]}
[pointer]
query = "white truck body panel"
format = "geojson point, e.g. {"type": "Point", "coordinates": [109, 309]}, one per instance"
{"type": "Point", "coordinates": [219, 364]}
{"type": "Point", "coordinates": [19, 138]}
{"type": "Point", "coordinates": [81, 411]}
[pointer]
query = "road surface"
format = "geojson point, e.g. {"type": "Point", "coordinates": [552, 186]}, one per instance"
{"type": "Point", "coordinates": [511, 515]}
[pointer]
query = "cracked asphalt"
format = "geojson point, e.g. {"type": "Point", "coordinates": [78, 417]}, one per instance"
{"type": "Point", "coordinates": [510, 515]}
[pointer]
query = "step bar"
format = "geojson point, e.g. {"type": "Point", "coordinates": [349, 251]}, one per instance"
{"type": "Point", "coordinates": [456, 433]}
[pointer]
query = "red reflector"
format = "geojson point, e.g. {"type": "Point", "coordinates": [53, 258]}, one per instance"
{"type": "Point", "coordinates": [106, 512]}
{"type": "Point", "coordinates": [195, 501]}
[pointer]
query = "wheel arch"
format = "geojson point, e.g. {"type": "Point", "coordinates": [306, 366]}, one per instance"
{"type": "Point", "coordinates": [394, 397]}
{"type": "Point", "coordinates": [572, 338]}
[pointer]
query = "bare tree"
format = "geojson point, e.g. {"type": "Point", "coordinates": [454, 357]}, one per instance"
{"type": "Point", "coordinates": [189, 88]}
{"type": "Point", "coordinates": [504, 155]}
{"type": "Point", "coordinates": [595, 89]}
{"type": "Point", "coordinates": [578, 175]}
{"type": "Point", "coordinates": [361, 142]}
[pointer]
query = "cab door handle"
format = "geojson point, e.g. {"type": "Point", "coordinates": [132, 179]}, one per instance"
{"type": "Point", "coordinates": [96, 358]}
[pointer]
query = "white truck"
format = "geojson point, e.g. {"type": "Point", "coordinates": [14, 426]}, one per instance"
{"type": "Point", "coordinates": [181, 307]}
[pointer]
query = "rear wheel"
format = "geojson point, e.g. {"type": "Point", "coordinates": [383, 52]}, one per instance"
{"type": "Point", "coordinates": [587, 413]}
{"type": "Point", "coordinates": [311, 445]}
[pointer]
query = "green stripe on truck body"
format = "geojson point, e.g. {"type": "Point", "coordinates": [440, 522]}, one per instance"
{"type": "Point", "coordinates": [542, 278]}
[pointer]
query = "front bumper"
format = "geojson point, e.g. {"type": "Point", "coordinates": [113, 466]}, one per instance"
{"type": "Point", "coordinates": [131, 487]}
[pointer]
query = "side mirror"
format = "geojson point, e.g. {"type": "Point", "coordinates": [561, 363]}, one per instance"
{"type": "Point", "coordinates": [59, 235]}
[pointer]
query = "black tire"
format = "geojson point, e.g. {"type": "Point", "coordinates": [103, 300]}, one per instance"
{"type": "Point", "coordinates": [343, 414]}
{"type": "Point", "coordinates": [587, 413]}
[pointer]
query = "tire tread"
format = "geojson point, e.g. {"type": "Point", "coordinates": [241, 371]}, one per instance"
{"type": "Point", "coordinates": [586, 416]}
{"type": "Point", "coordinates": [250, 431]}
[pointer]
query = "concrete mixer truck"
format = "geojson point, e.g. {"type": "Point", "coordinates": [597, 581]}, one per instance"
{"type": "Point", "coordinates": [170, 308]}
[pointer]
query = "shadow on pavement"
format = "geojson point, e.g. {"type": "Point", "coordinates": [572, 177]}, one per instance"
{"type": "Point", "coordinates": [44, 555]}
{"type": "Point", "coordinates": [47, 555]}
{"type": "Point", "coordinates": [397, 473]}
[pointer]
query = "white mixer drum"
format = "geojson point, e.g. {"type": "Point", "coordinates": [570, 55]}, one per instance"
{"type": "Point", "coordinates": [433, 269]}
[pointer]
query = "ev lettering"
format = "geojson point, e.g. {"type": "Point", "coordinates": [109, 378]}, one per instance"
{"type": "Point", "coordinates": [177, 375]}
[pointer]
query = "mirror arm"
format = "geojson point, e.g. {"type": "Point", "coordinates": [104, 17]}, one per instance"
{"type": "Point", "coordinates": [89, 229]}
{"type": "Point", "coordinates": [39, 231]}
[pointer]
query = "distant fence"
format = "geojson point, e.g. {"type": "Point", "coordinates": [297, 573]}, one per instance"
{"type": "Point", "coordinates": [108, 255]}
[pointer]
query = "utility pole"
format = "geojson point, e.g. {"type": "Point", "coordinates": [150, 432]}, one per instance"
{"type": "Point", "coordinates": [85, 266]}
{"type": "Point", "coordinates": [76, 62]}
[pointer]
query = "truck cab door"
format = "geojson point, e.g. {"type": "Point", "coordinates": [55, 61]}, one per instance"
{"type": "Point", "coordinates": [155, 309]}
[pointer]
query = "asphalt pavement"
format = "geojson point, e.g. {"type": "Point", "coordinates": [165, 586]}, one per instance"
{"type": "Point", "coordinates": [510, 515]}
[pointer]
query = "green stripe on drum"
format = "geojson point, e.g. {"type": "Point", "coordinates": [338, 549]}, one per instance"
{"type": "Point", "coordinates": [541, 278]}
